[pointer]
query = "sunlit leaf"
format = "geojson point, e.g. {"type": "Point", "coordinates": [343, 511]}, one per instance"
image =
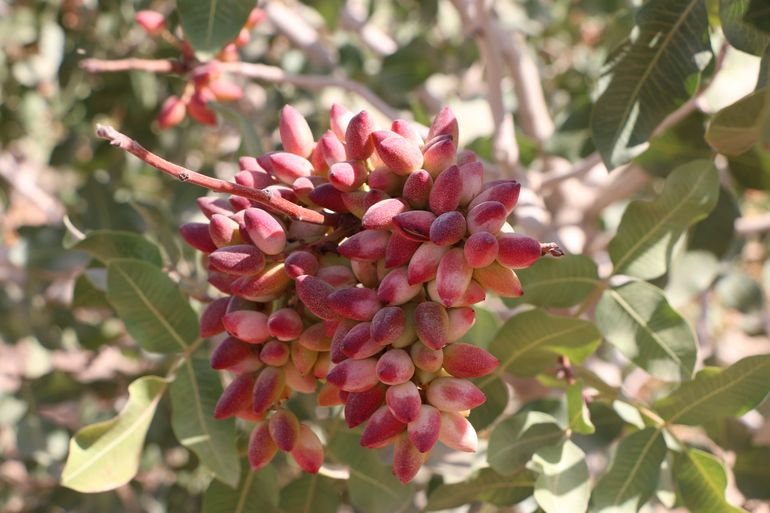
{"type": "Point", "coordinates": [700, 482]}
{"type": "Point", "coordinates": [649, 230]}
{"type": "Point", "coordinates": [515, 439]}
{"type": "Point", "coordinates": [563, 480]}
{"type": "Point", "coordinates": [718, 393]}
{"type": "Point", "coordinates": [558, 282]}
{"type": "Point", "coordinates": [633, 475]}
{"type": "Point", "coordinates": [578, 416]}
{"type": "Point", "coordinates": [637, 319]}
{"type": "Point", "coordinates": [105, 456]}
{"type": "Point", "coordinates": [736, 128]}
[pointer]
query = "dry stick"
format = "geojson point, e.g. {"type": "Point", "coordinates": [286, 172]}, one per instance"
{"type": "Point", "coordinates": [260, 72]}
{"type": "Point", "coordinates": [532, 109]}
{"type": "Point", "coordinates": [151, 65]}
{"type": "Point", "coordinates": [261, 196]}
{"type": "Point", "coordinates": [753, 225]}
{"type": "Point", "coordinates": [275, 75]}
{"type": "Point", "coordinates": [504, 146]}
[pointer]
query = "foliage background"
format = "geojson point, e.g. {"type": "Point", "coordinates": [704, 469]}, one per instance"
{"type": "Point", "coordinates": [66, 360]}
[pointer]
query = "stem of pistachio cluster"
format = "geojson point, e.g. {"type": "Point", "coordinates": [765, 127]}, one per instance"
{"type": "Point", "coordinates": [266, 198]}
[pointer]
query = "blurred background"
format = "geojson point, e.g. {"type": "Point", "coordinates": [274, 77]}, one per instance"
{"type": "Point", "coordinates": [521, 83]}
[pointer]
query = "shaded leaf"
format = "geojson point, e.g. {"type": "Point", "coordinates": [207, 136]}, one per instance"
{"type": "Point", "coordinates": [558, 282]}
{"type": "Point", "coordinates": [496, 392]}
{"type": "Point", "coordinates": [691, 273]}
{"type": "Point", "coordinates": [484, 329]}
{"type": "Point", "coordinates": [739, 291]}
{"type": "Point", "coordinates": [310, 493]}
{"type": "Point", "coordinates": [515, 439]}
{"type": "Point", "coordinates": [107, 245]}
{"type": "Point", "coordinates": [105, 456]}
{"type": "Point", "coordinates": [652, 73]}
{"type": "Point", "coordinates": [648, 230]}
{"type": "Point", "coordinates": [758, 14]}
{"type": "Point", "coordinates": [721, 220]}
{"type": "Point", "coordinates": [372, 486]}
{"type": "Point", "coordinates": [486, 486]}
{"type": "Point", "coordinates": [210, 24]}
{"type": "Point", "coordinates": [752, 168]}
{"type": "Point", "coordinates": [155, 311]}
{"type": "Point", "coordinates": [633, 475]}
{"type": "Point", "coordinates": [737, 127]}
{"type": "Point", "coordinates": [578, 415]}
{"type": "Point", "coordinates": [256, 492]}
{"type": "Point", "coordinates": [743, 36]}
{"type": "Point", "coordinates": [752, 472]}
{"type": "Point", "coordinates": [700, 482]}
{"type": "Point", "coordinates": [194, 394]}
{"type": "Point", "coordinates": [718, 393]}
{"type": "Point", "coordinates": [637, 319]}
{"type": "Point", "coordinates": [563, 480]}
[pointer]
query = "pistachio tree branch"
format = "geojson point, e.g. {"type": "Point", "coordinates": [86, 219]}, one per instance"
{"type": "Point", "coordinates": [272, 201]}
{"type": "Point", "coordinates": [118, 65]}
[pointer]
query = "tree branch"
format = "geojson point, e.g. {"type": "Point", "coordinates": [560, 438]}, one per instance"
{"type": "Point", "coordinates": [151, 65]}
{"type": "Point", "coordinates": [275, 75]}
{"type": "Point", "coordinates": [272, 201]}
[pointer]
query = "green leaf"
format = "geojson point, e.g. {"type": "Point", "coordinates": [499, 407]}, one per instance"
{"type": "Point", "coordinates": [563, 480]}
{"type": "Point", "coordinates": [737, 127]}
{"type": "Point", "coordinates": [151, 305]}
{"type": "Point", "coordinates": [310, 493]}
{"type": "Point", "coordinates": [210, 24]}
{"type": "Point", "coordinates": [194, 394]}
{"type": "Point", "coordinates": [250, 143]}
{"type": "Point", "coordinates": [484, 329]}
{"type": "Point", "coordinates": [648, 230]}
{"type": "Point", "coordinates": [486, 486]}
{"type": "Point", "coordinates": [752, 168]}
{"type": "Point", "coordinates": [700, 482]}
{"type": "Point", "coordinates": [530, 342]}
{"type": "Point", "coordinates": [740, 34]}
{"type": "Point", "coordinates": [105, 456]}
{"type": "Point", "coordinates": [739, 291]}
{"type": "Point", "coordinates": [256, 492]}
{"type": "Point", "coordinates": [558, 282]}
{"type": "Point", "coordinates": [86, 295]}
{"type": "Point", "coordinates": [108, 245]}
{"type": "Point", "coordinates": [637, 319]}
{"type": "Point", "coordinates": [652, 73]}
{"type": "Point", "coordinates": [716, 393]}
{"type": "Point", "coordinates": [758, 14]}
{"type": "Point", "coordinates": [721, 220]}
{"type": "Point", "coordinates": [497, 399]}
{"type": "Point", "coordinates": [526, 344]}
{"type": "Point", "coordinates": [633, 476]}
{"type": "Point", "coordinates": [515, 439]}
{"type": "Point", "coordinates": [692, 272]}
{"type": "Point", "coordinates": [752, 473]}
{"type": "Point", "coordinates": [372, 486]}
{"type": "Point", "coordinates": [577, 411]}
